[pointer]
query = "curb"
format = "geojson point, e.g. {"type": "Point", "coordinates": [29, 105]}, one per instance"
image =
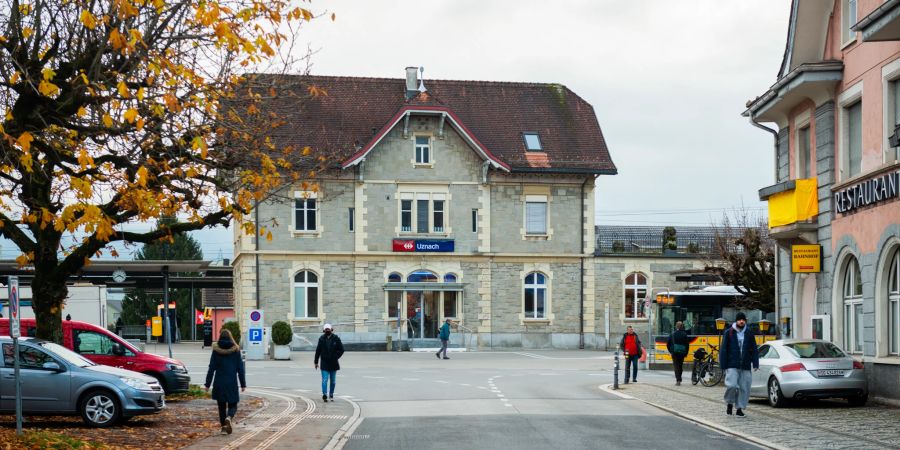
{"type": "Point", "coordinates": [762, 442]}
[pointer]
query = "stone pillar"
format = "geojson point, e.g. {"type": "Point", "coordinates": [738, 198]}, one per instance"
{"type": "Point", "coordinates": [484, 302]}
{"type": "Point", "coordinates": [825, 169]}
{"type": "Point", "coordinates": [361, 304]}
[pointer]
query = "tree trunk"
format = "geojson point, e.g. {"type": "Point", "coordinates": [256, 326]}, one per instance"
{"type": "Point", "coordinates": [47, 297]}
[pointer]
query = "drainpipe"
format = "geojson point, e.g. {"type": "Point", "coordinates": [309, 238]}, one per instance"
{"type": "Point", "coordinates": [777, 296]}
{"type": "Point", "coordinates": [581, 253]}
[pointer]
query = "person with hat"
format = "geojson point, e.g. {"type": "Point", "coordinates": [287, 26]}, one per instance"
{"type": "Point", "coordinates": [330, 349]}
{"type": "Point", "coordinates": [738, 353]}
{"type": "Point", "coordinates": [445, 338]}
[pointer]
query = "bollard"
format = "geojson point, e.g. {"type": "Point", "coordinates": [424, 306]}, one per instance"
{"type": "Point", "coordinates": [616, 369]}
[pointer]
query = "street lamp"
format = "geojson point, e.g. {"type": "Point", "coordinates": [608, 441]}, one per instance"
{"type": "Point", "coordinates": [764, 326]}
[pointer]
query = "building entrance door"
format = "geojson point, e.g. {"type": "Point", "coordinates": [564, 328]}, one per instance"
{"type": "Point", "coordinates": [423, 313]}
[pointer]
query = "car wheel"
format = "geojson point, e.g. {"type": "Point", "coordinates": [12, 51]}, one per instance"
{"type": "Point", "coordinates": [100, 408]}
{"type": "Point", "coordinates": [859, 400]}
{"type": "Point", "coordinates": [776, 397]}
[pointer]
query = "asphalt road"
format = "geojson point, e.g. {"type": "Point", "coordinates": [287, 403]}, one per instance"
{"type": "Point", "coordinates": [484, 400]}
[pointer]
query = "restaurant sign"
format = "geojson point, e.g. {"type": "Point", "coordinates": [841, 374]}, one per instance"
{"type": "Point", "coordinates": [868, 192]}
{"type": "Point", "coordinates": [806, 258]}
{"type": "Point", "coordinates": [422, 245]}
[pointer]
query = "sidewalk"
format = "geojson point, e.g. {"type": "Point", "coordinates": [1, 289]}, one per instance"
{"type": "Point", "coordinates": [825, 424]}
{"type": "Point", "coordinates": [289, 421]}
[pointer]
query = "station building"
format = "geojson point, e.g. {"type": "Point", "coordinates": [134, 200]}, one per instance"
{"type": "Point", "coordinates": [836, 107]}
{"type": "Point", "coordinates": [469, 200]}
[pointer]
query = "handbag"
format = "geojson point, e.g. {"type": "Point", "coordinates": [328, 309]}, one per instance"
{"type": "Point", "coordinates": [680, 349]}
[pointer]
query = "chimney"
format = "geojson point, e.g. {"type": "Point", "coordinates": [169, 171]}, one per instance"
{"type": "Point", "coordinates": [412, 82]}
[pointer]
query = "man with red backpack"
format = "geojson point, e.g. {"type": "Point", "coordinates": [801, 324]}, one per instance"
{"type": "Point", "coordinates": [738, 353]}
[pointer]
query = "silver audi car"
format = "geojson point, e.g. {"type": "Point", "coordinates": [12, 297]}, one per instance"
{"type": "Point", "coordinates": [56, 380]}
{"type": "Point", "coordinates": [808, 369]}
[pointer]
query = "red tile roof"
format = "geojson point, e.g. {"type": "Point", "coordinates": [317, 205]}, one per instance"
{"type": "Point", "coordinates": [354, 110]}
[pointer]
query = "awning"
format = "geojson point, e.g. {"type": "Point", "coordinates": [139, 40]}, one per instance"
{"type": "Point", "coordinates": [424, 286]}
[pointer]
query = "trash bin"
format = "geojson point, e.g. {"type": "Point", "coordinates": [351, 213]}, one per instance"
{"type": "Point", "coordinates": [390, 342]}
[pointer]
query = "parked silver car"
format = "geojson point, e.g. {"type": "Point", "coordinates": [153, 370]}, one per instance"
{"type": "Point", "coordinates": [56, 380]}
{"type": "Point", "coordinates": [807, 369]}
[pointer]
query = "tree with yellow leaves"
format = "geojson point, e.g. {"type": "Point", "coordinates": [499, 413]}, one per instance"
{"type": "Point", "coordinates": [121, 111]}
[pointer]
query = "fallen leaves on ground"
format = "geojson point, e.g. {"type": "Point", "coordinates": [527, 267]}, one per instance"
{"type": "Point", "coordinates": [181, 423]}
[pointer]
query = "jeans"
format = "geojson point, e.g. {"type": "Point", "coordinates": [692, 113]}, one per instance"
{"type": "Point", "coordinates": [232, 410]}
{"type": "Point", "coordinates": [678, 364]}
{"type": "Point", "coordinates": [631, 360]}
{"type": "Point", "coordinates": [443, 347]}
{"type": "Point", "coordinates": [326, 374]}
{"type": "Point", "coordinates": [737, 387]}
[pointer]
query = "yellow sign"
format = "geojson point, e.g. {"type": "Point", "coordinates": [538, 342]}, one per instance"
{"type": "Point", "coordinates": [806, 258]}
{"type": "Point", "coordinates": [207, 313]}
{"type": "Point", "coordinates": [156, 326]}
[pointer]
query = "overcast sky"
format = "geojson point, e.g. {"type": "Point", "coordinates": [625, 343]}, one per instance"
{"type": "Point", "coordinates": [667, 79]}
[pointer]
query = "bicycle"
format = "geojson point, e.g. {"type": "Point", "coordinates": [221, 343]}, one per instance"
{"type": "Point", "coordinates": [706, 367]}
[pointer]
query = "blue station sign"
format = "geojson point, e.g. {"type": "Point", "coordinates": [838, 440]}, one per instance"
{"type": "Point", "coordinates": [423, 245]}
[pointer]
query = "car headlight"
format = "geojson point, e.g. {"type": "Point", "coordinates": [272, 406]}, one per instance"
{"type": "Point", "coordinates": [177, 368]}
{"type": "Point", "coordinates": [140, 385]}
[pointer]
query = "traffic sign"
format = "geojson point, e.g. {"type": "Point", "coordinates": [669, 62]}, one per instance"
{"type": "Point", "coordinates": [255, 335]}
{"type": "Point", "coordinates": [13, 288]}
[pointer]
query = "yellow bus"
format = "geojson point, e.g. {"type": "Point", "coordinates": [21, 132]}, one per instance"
{"type": "Point", "coordinates": [699, 309]}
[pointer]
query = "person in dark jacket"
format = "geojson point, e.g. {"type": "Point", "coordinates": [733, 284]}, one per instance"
{"type": "Point", "coordinates": [227, 368]}
{"type": "Point", "coordinates": [678, 345]}
{"type": "Point", "coordinates": [330, 349]}
{"type": "Point", "coordinates": [738, 353]}
{"type": "Point", "coordinates": [631, 344]}
{"type": "Point", "coordinates": [445, 339]}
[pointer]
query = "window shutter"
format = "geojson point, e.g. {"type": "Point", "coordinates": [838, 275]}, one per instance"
{"type": "Point", "coordinates": [536, 218]}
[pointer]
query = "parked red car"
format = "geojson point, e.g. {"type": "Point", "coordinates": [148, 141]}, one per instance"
{"type": "Point", "coordinates": [103, 347]}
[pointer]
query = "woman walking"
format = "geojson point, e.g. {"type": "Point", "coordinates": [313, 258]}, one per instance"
{"type": "Point", "coordinates": [227, 367]}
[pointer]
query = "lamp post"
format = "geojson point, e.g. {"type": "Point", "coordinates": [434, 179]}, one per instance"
{"type": "Point", "coordinates": [764, 326]}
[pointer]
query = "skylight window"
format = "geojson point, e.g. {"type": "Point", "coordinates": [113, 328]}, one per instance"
{"type": "Point", "coordinates": [532, 142]}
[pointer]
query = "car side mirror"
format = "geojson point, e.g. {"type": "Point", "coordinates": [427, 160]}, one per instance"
{"type": "Point", "coordinates": [51, 365]}
{"type": "Point", "coordinates": [117, 349]}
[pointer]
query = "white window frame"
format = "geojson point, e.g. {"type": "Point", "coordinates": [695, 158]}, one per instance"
{"type": "Point", "coordinates": [306, 286]}
{"type": "Point", "coordinates": [423, 154]}
{"type": "Point", "coordinates": [535, 288]}
{"type": "Point", "coordinates": [636, 301]}
{"type": "Point", "coordinates": [801, 124]}
{"type": "Point", "coordinates": [442, 229]}
{"type": "Point", "coordinates": [537, 199]}
{"type": "Point", "coordinates": [852, 306]}
{"type": "Point", "coordinates": [890, 82]}
{"type": "Point", "coordinates": [893, 310]}
{"type": "Point", "coordinates": [305, 196]}
{"type": "Point", "coordinates": [848, 98]}
{"type": "Point", "coordinates": [849, 17]}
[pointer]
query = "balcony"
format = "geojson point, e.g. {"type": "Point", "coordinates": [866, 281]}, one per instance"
{"type": "Point", "coordinates": [883, 24]}
{"type": "Point", "coordinates": [793, 207]}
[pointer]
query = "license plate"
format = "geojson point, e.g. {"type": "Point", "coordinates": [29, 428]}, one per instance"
{"type": "Point", "coordinates": [830, 373]}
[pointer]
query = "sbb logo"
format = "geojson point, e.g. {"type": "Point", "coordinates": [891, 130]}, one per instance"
{"type": "Point", "coordinates": [404, 245]}
{"type": "Point", "coordinates": [408, 245]}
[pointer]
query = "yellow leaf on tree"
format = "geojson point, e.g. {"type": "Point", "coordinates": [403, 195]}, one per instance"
{"type": "Point", "coordinates": [88, 19]}
{"type": "Point", "coordinates": [24, 140]}
{"type": "Point", "coordinates": [107, 120]}
{"type": "Point", "coordinates": [48, 89]}
{"type": "Point", "coordinates": [27, 32]}
{"type": "Point", "coordinates": [123, 90]}
{"type": "Point", "coordinates": [140, 124]}
{"type": "Point", "coordinates": [47, 74]}
{"type": "Point", "coordinates": [131, 115]}
{"type": "Point", "coordinates": [81, 111]}
{"type": "Point", "coordinates": [25, 160]}
{"type": "Point", "coordinates": [140, 94]}
{"type": "Point", "coordinates": [142, 176]}
{"type": "Point", "coordinates": [116, 39]}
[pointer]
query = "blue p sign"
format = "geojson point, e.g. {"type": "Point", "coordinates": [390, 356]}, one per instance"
{"type": "Point", "coordinates": [256, 334]}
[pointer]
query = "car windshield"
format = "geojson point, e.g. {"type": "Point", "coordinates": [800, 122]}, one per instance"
{"type": "Point", "coordinates": [814, 350]}
{"type": "Point", "coordinates": [65, 354]}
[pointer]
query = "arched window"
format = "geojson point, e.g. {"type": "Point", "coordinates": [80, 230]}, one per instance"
{"type": "Point", "coordinates": [306, 295]}
{"type": "Point", "coordinates": [894, 304]}
{"type": "Point", "coordinates": [535, 295]}
{"type": "Point", "coordinates": [635, 291]}
{"type": "Point", "coordinates": [395, 278]}
{"type": "Point", "coordinates": [853, 308]}
{"type": "Point", "coordinates": [449, 278]}
{"type": "Point", "coordinates": [422, 276]}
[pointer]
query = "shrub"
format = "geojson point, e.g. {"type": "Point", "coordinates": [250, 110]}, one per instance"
{"type": "Point", "coordinates": [235, 328]}
{"type": "Point", "coordinates": [281, 333]}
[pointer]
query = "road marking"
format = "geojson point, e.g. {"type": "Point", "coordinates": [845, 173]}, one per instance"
{"type": "Point", "coordinates": [291, 406]}
{"type": "Point", "coordinates": [376, 378]}
{"type": "Point", "coordinates": [310, 407]}
{"type": "Point", "coordinates": [465, 384]}
{"type": "Point", "coordinates": [345, 433]}
{"type": "Point", "coordinates": [407, 379]}
{"type": "Point", "coordinates": [442, 381]}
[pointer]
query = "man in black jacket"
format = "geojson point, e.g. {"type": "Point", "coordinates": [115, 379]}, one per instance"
{"type": "Point", "coordinates": [330, 349]}
{"type": "Point", "coordinates": [678, 345]}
